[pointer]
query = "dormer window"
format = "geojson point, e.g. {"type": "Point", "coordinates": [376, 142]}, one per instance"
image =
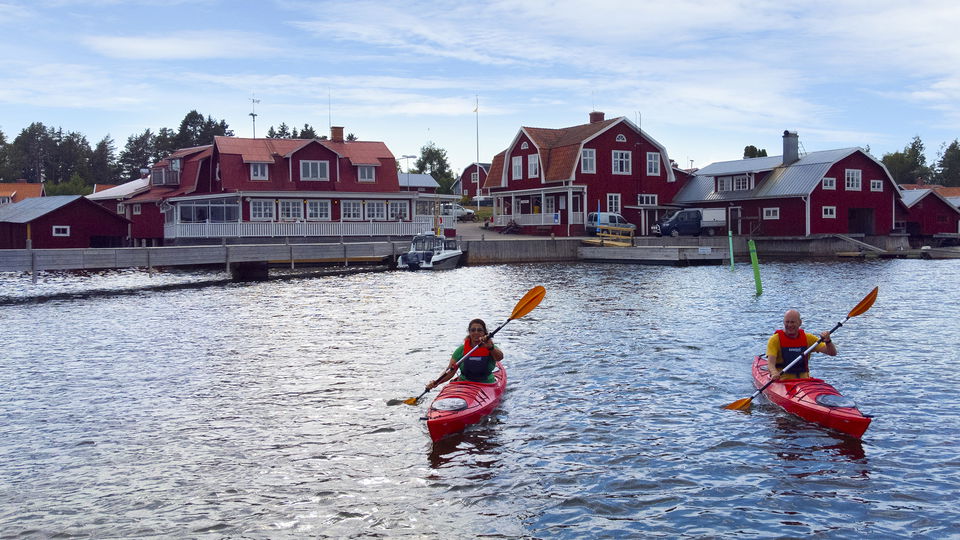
{"type": "Point", "coordinates": [524, 146]}
{"type": "Point", "coordinates": [621, 138]}
{"type": "Point", "coordinates": [366, 173]}
{"type": "Point", "coordinates": [259, 171]}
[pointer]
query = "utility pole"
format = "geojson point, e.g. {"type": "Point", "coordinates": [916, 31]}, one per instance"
{"type": "Point", "coordinates": [253, 114]}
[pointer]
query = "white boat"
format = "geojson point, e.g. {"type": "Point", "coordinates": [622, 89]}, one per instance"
{"type": "Point", "coordinates": [431, 252]}
{"type": "Point", "coordinates": [928, 252]}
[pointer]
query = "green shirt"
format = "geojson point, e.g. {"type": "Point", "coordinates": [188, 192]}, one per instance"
{"type": "Point", "coordinates": [492, 364]}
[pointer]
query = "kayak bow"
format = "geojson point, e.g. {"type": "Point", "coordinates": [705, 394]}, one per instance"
{"type": "Point", "coordinates": [463, 403]}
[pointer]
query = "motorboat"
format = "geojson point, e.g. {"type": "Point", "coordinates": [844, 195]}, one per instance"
{"type": "Point", "coordinates": [431, 252]}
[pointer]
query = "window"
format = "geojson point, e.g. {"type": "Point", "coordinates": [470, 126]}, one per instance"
{"type": "Point", "coordinates": [318, 210]}
{"type": "Point", "coordinates": [771, 213]}
{"type": "Point", "coordinates": [137, 209]}
{"type": "Point", "coordinates": [314, 171]}
{"type": "Point", "coordinates": [351, 210]}
{"type": "Point", "coordinates": [724, 183]}
{"type": "Point", "coordinates": [61, 230]}
{"type": "Point", "coordinates": [549, 205]}
{"type": "Point", "coordinates": [829, 183]}
{"type": "Point", "coordinates": [400, 209]}
{"type": "Point", "coordinates": [647, 199]}
{"type": "Point", "coordinates": [259, 171]}
{"type": "Point", "coordinates": [533, 166]}
{"type": "Point", "coordinates": [588, 160]}
{"type": "Point", "coordinates": [377, 210]}
{"type": "Point", "coordinates": [474, 177]}
{"type": "Point", "coordinates": [829, 212]}
{"type": "Point", "coordinates": [741, 182]}
{"type": "Point", "coordinates": [853, 178]}
{"type": "Point", "coordinates": [291, 210]}
{"type": "Point", "coordinates": [621, 162]}
{"type": "Point", "coordinates": [524, 146]}
{"type": "Point", "coordinates": [653, 163]}
{"type": "Point", "coordinates": [261, 210]}
{"type": "Point", "coordinates": [613, 202]}
{"type": "Point", "coordinates": [517, 167]}
{"type": "Point", "coordinates": [876, 185]}
{"type": "Point", "coordinates": [621, 138]}
{"type": "Point", "coordinates": [365, 173]}
{"type": "Point", "coordinates": [120, 208]}
{"type": "Point", "coordinates": [5, 200]}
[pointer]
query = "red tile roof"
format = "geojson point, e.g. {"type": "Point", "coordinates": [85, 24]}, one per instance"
{"type": "Point", "coordinates": [18, 191]}
{"type": "Point", "coordinates": [264, 150]}
{"type": "Point", "coordinates": [495, 174]}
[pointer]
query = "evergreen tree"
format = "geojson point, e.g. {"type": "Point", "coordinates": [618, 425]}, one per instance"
{"type": "Point", "coordinates": [271, 133]}
{"type": "Point", "coordinates": [308, 132]}
{"type": "Point", "coordinates": [70, 155]}
{"type": "Point", "coordinates": [139, 153]}
{"type": "Point", "coordinates": [165, 142]}
{"type": "Point", "coordinates": [76, 185]}
{"type": "Point", "coordinates": [7, 170]}
{"type": "Point", "coordinates": [752, 151]}
{"type": "Point", "coordinates": [104, 168]}
{"type": "Point", "coordinates": [351, 137]}
{"type": "Point", "coordinates": [433, 161]}
{"type": "Point", "coordinates": [908, 166]}
{"type": "Point", "coordinates": [948, 166]}
{"type": "Point", "coordinates": [31, 152]}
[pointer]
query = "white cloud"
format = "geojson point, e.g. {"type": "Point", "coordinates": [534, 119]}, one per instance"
{"type": "Point", "coordinates": [188, 45]}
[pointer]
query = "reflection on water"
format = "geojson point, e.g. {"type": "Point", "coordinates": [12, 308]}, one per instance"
{"type": "Point", "coordinates": [154, 407]}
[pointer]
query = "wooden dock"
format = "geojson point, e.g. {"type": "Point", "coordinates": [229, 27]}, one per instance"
{"type": "Point", "coordinates": [669, 255]}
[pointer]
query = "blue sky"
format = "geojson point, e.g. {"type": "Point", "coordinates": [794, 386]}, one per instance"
{"type": "Point", "coordinates": [705, 78]}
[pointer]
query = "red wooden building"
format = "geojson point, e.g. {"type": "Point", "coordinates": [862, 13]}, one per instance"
{"type": "Point", "coordinates": [844, 191]}
{"type": "Point", "coordinates": [547, 180]}
{"type": "Point", "coordinates": [925, 213]}
{"type": "Point", "coordinates": [471, 180]}
{"type": "Point", "coordinates": [64, 221]}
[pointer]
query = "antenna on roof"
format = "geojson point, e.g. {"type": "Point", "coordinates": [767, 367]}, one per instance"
{"type": "Point", "coordinates": [253, 113]}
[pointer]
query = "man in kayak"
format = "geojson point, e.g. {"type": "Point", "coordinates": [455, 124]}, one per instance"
{"type": "Point", "coordinates": [786, 345]}
{"type": "Point", "coordinates": [479, 366]}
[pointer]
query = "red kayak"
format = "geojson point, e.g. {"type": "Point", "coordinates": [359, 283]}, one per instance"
{"type": "Point", "coordinates": [462, 403]}
{"type": "Point", "coordinates": [813, 400]}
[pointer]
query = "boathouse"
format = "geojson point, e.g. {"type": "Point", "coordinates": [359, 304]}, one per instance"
{"type": "Point", "coordinates": [63, 221]}
{"type": "Point", "coordinates": [925, 213]}
{"type": "Point", "coordinates": [547, 180]}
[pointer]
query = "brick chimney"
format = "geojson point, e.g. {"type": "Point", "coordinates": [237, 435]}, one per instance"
{"type": "Point", "coordinates": [336, 133]}
{"type": "Point", "coordinates": [791, 147]}
{"type": "Point", "coordinates": [596, 116]}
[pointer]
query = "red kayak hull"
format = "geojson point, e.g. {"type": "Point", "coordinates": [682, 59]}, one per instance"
{"type": "Point", "coordinates": [799, 397]}
{"type": "Point", "coordinates": [480, 398]}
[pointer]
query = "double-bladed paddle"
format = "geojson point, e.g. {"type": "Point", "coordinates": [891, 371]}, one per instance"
{"type": "Point", "coordinates": [862, 307]}
{"type": "Point", "coordinates": [524, 306]}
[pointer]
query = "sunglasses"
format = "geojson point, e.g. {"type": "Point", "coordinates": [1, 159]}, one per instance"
{"type": "Point", "coordinates": [478, 329]}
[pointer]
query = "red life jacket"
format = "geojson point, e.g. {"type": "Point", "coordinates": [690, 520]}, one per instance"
{"type": "Point", "coordinates": [790, 349]}
{"type": "Point", "coordinates": [479, 365]}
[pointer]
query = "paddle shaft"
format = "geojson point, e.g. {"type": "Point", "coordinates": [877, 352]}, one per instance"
{"type": "Point", "coordinates": [797, 359]}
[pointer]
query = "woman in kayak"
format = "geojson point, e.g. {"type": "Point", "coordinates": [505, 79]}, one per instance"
{"type": "Point", "coordinates": [786, 345]}
{"type": "Point", "coordinates": [479, 366]}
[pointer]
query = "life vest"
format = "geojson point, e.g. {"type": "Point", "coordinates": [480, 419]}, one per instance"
{"type": "Point", "coordinates": [790, 349]}
{"type": "Point", "coordinates": [479, 365]}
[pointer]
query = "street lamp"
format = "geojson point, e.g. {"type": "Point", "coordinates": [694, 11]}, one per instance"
{"type": "Point", "coordinates": [406, 159]}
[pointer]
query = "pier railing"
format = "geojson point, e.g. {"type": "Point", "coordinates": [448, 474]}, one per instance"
{"type": "Point", "coordinates": [280, 229]}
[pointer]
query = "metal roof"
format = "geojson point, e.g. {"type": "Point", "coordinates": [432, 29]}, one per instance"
{"type": "Point", "coordinates": [417, 180]}
{"type": "Point", "coordinates": [121, 191]}
{"type": "Point", "coordinates": [30, 209]}
{"type": "Point", "coordinates": [911, 196]}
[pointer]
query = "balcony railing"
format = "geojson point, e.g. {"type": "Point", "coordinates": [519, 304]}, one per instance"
{"type": "Point", "coordinates": [269, 229]}
{"type": "Point", "coordinates": [536, 219]}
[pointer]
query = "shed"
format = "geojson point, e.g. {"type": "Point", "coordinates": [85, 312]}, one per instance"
{"type": "Point", "coordinates": [65, 221]}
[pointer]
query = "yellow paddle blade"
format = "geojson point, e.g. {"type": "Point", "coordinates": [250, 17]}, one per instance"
{"type": "Point", "coordinates": [528, 302]}
{"type": "Point", "coordinates": [864, 304]}
{"type": "Point", "coordinates": [740, 404]}
{"type": "Point", "coordinates": [411, 401]}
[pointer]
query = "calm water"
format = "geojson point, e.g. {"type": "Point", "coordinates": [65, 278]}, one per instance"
{"type": "Point", "coordinates": [260, 410]}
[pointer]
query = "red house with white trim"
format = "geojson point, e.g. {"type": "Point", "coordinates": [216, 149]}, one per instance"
{"type": "Point", "coordinates": [547, 180]}
{"type": "Point", "coordinates": [62, 221]}
{"type": "Point", "coordinates": [844, 191]}
{"type": "Point", "coordinates": [925, 213]}
{"type": "Point", "coordinates": [471, 180]}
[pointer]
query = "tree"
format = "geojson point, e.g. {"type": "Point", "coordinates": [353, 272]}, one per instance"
{"type": "Point", "coordinates": [7, 170]}
{"type": "Point", "coordinates": [195, 130]}
{"type": "Point", "coordinates": [908, 166]}
{"type": "Point", "coordinates": [351, 137]}
{"type": "Point", "coordinates": [104, 168]}
{"type": "Point", "coordinates": [433, 161]}
{"type": "Point", "coordinates": [139, 153]}
{"type": "Point", "coordinates": [75, 186]}
{"type": "Point", "coordinates": [308, 132]}
{"type": "Point", "coordinates": [948, 166]}
{"type": "Point", "coordinates": [69, 156]}
{"type": "Point", "coordinates": [752, 151]}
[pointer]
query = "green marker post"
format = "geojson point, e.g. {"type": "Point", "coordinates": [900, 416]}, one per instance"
{"type": "Point", "coordinates": [730, 237]}
{"type": "Point", "coordinates": [756, 266]}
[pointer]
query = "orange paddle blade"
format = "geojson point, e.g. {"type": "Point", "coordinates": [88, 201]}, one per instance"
{"type": "Point", "coordinates": [864, 304]}
{"type": "Point", "coordinates": [528, 302]}
{"type": "Point", "coordinates": [740, 404]}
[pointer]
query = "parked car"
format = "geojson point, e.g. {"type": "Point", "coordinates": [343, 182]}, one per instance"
{"type": "Point", "coordinates": [458, 212]}
{"type": "Point", "coordinates": [692, 221]}
{"type": "Point", "coordinates": [606, 219]}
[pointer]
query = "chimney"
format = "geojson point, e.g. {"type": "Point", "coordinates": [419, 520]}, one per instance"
{"type": "Point", "coordinates": [596, 116]}
{"type": "Point", "coordinates": [336, 133]}
{"type": "Point", "coordinates": [791, 147]}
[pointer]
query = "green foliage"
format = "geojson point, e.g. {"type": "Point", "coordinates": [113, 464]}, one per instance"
{"type": "Point", "coordinates": [75, 186]}
{"type": "Point", "coordinates": [752, 151]}
{"type": "Point", "coordinates": [308, 132]}
{"type": "Point", "coordinates": [433, 161]}
{"type": "Point", "coordinates": [908, 166]}
{"type": "Point", "coordinates": [140, 152]}
{"type": "Point", "coordinates": [948, 166]}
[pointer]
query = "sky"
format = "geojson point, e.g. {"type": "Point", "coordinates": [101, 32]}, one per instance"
{"type": "Point", "coordinates": [704, 78]}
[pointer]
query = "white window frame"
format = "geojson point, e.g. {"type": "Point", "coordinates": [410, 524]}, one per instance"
{"type": "Point", "coordinates": [291, 210]}
{"type": "Point", "coordinates": [724, 183]}
{"type": "Point", "coordinates": [260, 171]}
{"type": "Point", "coordinates": [853, 180]}
{"type": "Point", "coordinates": [399, 210]}
{"type": "Point", "coordinates": [829, 212]}
{"type": "Point", "coordinates": [771, 213]}
{"type": "Point", "coordinates": [5, 200]}
{"type": "Point", "coordinates": [121, 209]}
{"type": "Point", "coordinates": [876, 185]}
{"type": "Point", "coordinates": [549, 205]}
{"type": "Point", "coordinates": [647, 199]}
{"type": "Point", "coordinates": [262, 209]}
{"type": "Point", "coordinates": [517, 165]}
{"type": "Point", "coordinates": [829, 183]}
{"type": "Point", "coordinates": [314, 170]}
{"type": "Point", "coordinates": [588, 161]}
{"type": "Point", "coordinates": [137, 209]}
{"type": "Point", "coordinates": [61, 230]}
{"type": "Point", "coordinates": [524, 145]}
{"type": "Point", "coordinates": [533, 166]}
{"type": "Point", "coordinates": [351, 210]}
{"type": "Point", "coordinates": [375, 210]}
{"type": "Point", "coordinates": [475, 177]}
{"type": "Point", "coordinates": [742, 182]}
{"type": "Point", "coordinates": [621, 162]}
{"type": "Point", "coordinates": [318, 210]}
{"type": "Point", "coordinates": [366, 174]}
{"type": "Point", "coordinates": [653, 163]}
{"type": "Point", "coordinates": [613, 202]}
{"type": "Point", "coordinates": [621, 138]}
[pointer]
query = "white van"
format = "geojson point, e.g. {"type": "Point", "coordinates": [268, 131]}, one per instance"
{"type": "Point", "coordinates": [606, 219]}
